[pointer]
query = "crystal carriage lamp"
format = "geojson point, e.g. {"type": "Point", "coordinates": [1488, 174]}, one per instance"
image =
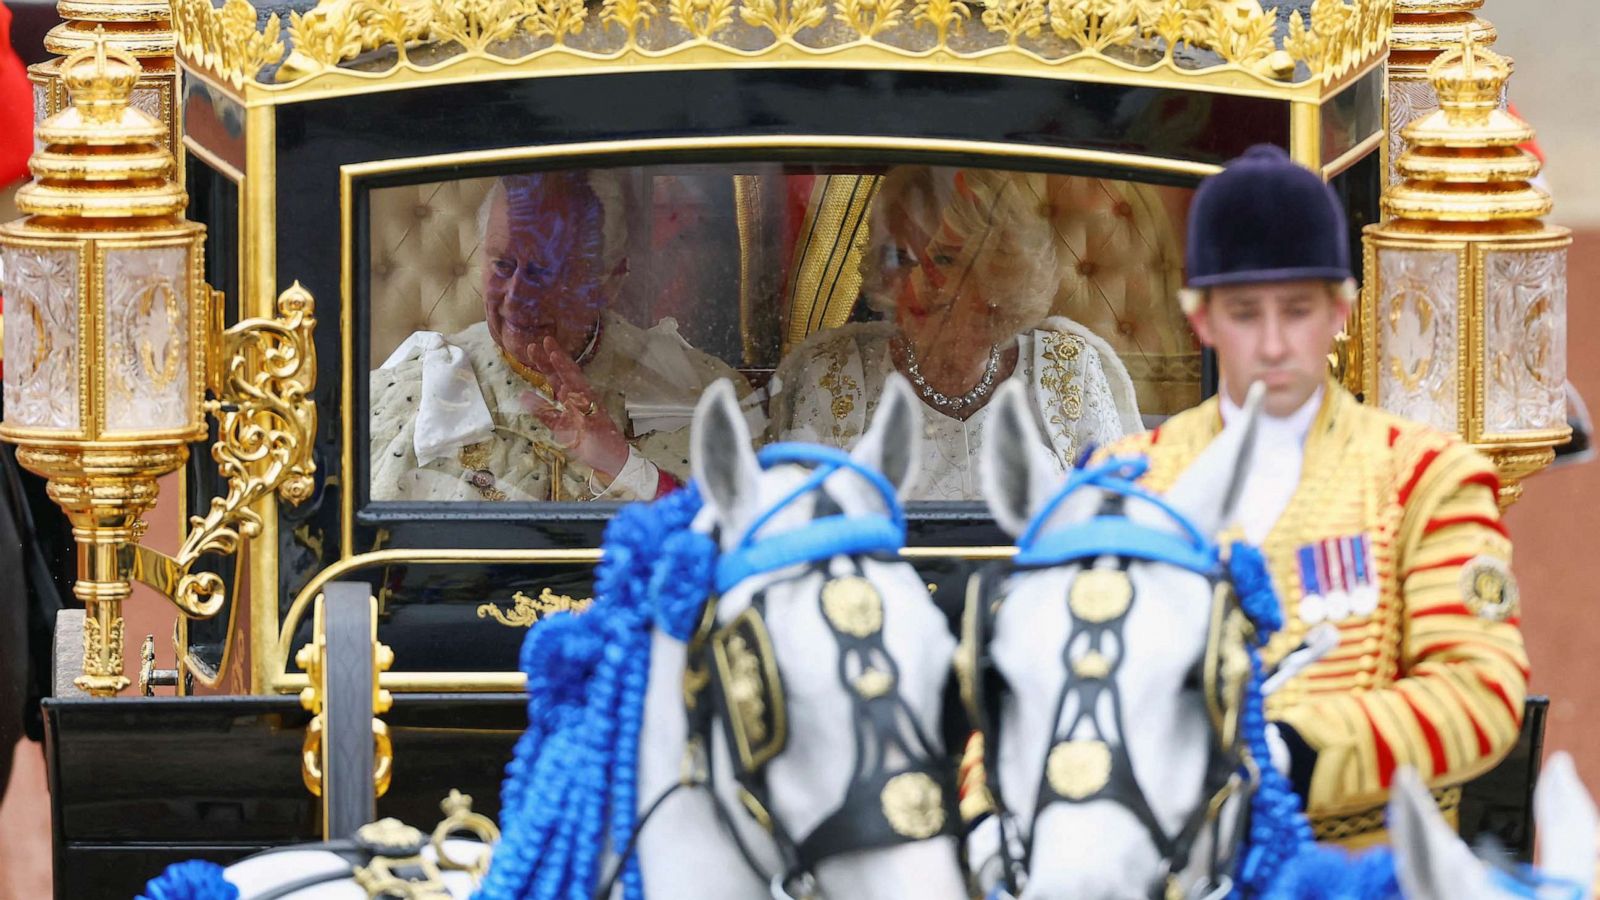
{"type": "Point", "coordinates": [1465, 307]}
{"type": "Point", "coordinates": [112, 339]}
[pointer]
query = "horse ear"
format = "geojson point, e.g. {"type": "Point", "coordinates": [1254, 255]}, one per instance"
{"type": "Point", "coordinates": [720, 454]}
{"type": "Point", "coordinates": [892, 444]}
{"type": "Point", "coordinates": [1430, 860]}
{"type": "Point", "coordinates": [1017, 469]}
{"type": "Point", "coordinates": [1208, 492]}
{"type": "Point", "coordinates": [1567, 822]}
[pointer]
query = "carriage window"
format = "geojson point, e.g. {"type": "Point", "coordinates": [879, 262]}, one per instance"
{"type": "Point", "coordinates": [545, 336]}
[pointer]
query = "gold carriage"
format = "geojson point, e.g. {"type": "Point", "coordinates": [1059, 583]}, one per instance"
{"type": "Point", "coordinates": [348, 161]}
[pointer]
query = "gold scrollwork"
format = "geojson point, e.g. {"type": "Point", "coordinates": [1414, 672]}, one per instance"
{"type": "Point", "coordinates": [267, 426]}
{"type": "Point", "coordinates": [528, 610]}
{"type": "Point", "coordinates": [1320, 45]}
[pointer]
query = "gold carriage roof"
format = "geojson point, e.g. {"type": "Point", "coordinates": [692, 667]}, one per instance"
{"type": "Point", "coordinates": [1303, 50]}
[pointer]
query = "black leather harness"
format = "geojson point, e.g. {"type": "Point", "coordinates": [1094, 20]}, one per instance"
{"type": "Point", "coordinates": [1092, 737]}
{"type": "Point", "coordinates": [901, 787]}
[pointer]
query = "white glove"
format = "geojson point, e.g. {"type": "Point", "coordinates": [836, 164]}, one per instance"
{"type": "Point", "coordinates": [1278, 749]}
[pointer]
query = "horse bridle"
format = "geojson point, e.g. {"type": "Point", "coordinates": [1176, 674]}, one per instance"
{"type": "Point", "coordinates": [1087, 758]}
{"type": "Point", "coordinates": [732, 684]}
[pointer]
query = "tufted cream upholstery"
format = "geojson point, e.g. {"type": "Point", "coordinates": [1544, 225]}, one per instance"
{"type": "Point", "coordinates": [425, 256]}
{"type": "Point", "coordinates": [1121, 261]}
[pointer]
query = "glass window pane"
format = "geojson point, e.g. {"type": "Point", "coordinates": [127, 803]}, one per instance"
{"type": "Point", "coordinates": [546, 335]}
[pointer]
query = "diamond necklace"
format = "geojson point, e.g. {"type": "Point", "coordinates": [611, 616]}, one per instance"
{"type": "Point", "coordinates": [944, 401]}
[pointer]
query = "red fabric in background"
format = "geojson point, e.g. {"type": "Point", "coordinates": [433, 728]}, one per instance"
{"type": "Point", "coordinates": [16, 108]}
{"type": "Point", "coordinates": [1531, 146]}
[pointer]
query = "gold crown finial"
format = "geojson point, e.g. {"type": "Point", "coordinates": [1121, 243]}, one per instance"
{"type": "Point", "coordinates": [1464, 162]}
{"type": "Point", "coordinates": [101, 158]}
{"type": "Point", "coordinates": [1471, 79]}
{"type": "Point", "coordinates": [100, 79]}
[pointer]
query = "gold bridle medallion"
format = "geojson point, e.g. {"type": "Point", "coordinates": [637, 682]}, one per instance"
{"type": "Point", "coordinates": [853, 606]}
{"type": "Point", "coordinates": [1100, 595]}
{"type": "Point", "coordinates": [1079, 769]}
{"type": "Point", "coordinates": [913, 804]}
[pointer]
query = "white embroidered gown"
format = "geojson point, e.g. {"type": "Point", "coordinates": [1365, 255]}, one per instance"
{"type": "Point", "coordinates": [826, 390]}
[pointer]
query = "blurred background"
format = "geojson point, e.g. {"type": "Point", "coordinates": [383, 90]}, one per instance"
{"type": "Point", "coordinates": [1555, 526]}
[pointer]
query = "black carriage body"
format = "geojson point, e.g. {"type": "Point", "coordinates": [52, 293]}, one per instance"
{"type": "Point", "coordinates": [327, 154]}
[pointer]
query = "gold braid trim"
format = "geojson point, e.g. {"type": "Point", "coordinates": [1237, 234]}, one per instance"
{"type": "Point", "coordinates": [1361, 827]}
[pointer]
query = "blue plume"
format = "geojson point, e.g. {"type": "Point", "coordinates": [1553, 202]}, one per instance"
{"type": "Point", "coordinates": [191, 880]}
{"type": "Point", "coordinates": [571, 785]}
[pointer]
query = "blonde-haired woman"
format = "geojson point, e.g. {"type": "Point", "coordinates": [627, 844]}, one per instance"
{"type": "Point", "coordinates": [962, 264]}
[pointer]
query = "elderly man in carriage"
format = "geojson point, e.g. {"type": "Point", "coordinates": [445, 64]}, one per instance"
{"type": "Point", "coordinates": [553, 396]}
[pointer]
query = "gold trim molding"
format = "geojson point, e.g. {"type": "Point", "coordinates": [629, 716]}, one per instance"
{"type": "Point", "coordinates": [1216, 44]}
{"type": "Point", "coordinates": [276, 653]}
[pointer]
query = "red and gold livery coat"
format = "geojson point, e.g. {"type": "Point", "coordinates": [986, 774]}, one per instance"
{"type": "Point", "coordinates": [1434, 677]}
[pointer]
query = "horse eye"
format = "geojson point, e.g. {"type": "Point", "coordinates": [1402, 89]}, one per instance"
{"type": "Point", "coordinates": [1193, 682]}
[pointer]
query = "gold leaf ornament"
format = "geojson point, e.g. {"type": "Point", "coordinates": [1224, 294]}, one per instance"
{"type": "Point", "coordinates": [475, 24]}
{"type": "Point", "coordinates": [869, 17]}
{"type": "Point", "coordinates": [702, 18]}
{"type": "Point", "coordinates": [326, 35]}
{"type": "Point", "coordinates": [225, 39]}
{"type": "Point", "coordinates": [554, 18]}
{"type": "Point", "coordinates": [629, 15]}
{"type": "Point", "coordinates": [1094, 25]}
{"type": "Point", "coordinates": [1331, 38]}
{"type": "Point", "coordinates": [943, 16]}
{"type": "Point", "coordinates": [1016, 19]}
{"type": "Point", "coordinates": [1241, 33]}
{"type": "Point", "coordinates": [396, 22]}
{"type": "Point", "coordinates": [784, 18]}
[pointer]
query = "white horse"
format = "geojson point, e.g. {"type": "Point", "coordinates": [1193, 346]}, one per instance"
{"type": "Point", "coordinates": [1104, 753]}
{"type": "Point", "coordinates": [1433, 863]}
{"type": "Point", "coordinates": [835, 757]}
